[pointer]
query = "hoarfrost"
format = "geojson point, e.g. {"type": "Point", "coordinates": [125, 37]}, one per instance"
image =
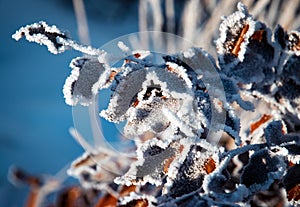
{"type": "Point", "coordinates": [54, 39]}
{"type": "Point", "coordinates": [43, 34]}
{"type": "Point", "coordinates": [169, 106]}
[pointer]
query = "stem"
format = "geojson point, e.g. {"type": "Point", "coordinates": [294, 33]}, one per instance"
{"type": "Point", "coordinates": [81, 18]}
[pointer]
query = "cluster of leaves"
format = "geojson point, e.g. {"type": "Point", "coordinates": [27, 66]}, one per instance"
{"type": "Point", "coordinates": [171, 104]}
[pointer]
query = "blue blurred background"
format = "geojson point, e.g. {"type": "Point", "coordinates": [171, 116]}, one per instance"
{"type": "Point", "coordinates": [34, 119]}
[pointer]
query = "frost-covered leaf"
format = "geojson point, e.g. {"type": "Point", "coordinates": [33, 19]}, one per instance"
{"type": "Point", "coordinates": [196, 62]}
{"type": "Point", "coordinates": [140, 97]}
{"type": "Point", "coordinates": [190, 65]}
{"type": "Point", "coordinates": [197, 68]}
{"type": "Point", "coordinates": [274, 134]}
{"type": "Point", "coordinates": [190, 175]}
{"type": "Point", "coordinates": [244, 48]}
{"type": "Point", "coordinates": [201, 71]}
{"type": "Point", "coordinates": [176, 66]}
{"type": "Point", "coordinates": [152, 165]}
{"type": "Point", "coordinates": [275, 137]}
{"type": "Point", "coordinates": [264, 167]}
{"type": "Point", "coordinates": [123, 96]}
{"type": "Point", "coordinates": [82, 85]}
{"type": "Point", "coordinates": [235, 32]}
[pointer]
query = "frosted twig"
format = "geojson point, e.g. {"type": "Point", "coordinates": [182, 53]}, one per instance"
{"type": "Point", "coordinates": [243, 149]}
{"type": "Point", "coordinates": [56, 40]}
{"type": "Point", "coordinates": [81, 48]}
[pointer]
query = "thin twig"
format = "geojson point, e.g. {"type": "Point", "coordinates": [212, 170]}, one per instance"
{"type": "Point", "coordinates": [83, 29]}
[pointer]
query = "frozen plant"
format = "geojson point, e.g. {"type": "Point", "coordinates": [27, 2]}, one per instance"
{"type": "Point", "coordinates": [172, 110]}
